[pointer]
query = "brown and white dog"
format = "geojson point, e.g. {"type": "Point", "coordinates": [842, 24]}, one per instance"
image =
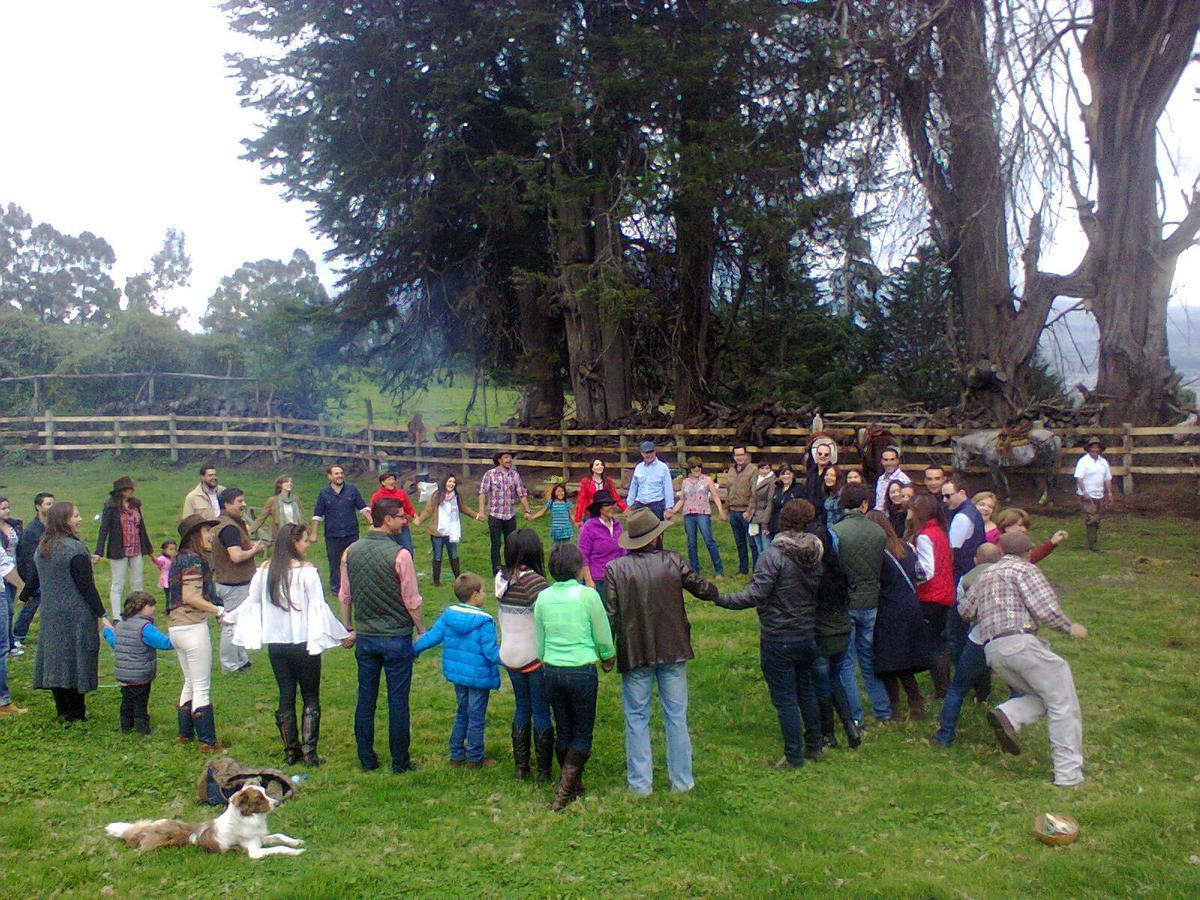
{"type": "Point", "coordinates": [243, 826]}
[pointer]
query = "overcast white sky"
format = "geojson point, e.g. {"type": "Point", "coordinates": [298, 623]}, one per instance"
{"type": "Point", "coordinates": [120, 118]}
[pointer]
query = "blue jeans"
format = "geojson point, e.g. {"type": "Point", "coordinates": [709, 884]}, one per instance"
{"type": "Point", "coordinates": [572, 691]}
{"type": "Point", "coordinates": [529, 696]}
{"type": "Point", "coordinates": [468, 723]}
{"type": "Point", "coordinates": [862, 647]}
{"type": "Point", "coordinates": [599, 582]}
{"type": "Point", "coordinates": [394, 657]}
{"type": "Point", "coordinates": [404, 539]}
{"type": "Point", "coordinates": [5, 697]}
{"type": "Point", "coordinates": [697, 522]}
{"type": "Point", "coordinates": [758, 543]}
{"type": "Point", "coordinates": [10, 595]}
{"type": "Point", "coordinates": [658, 507]}
{"type": "Point", "coordinates": [787, 667]}
{"type": "Point", "coordinates": [637, 687]}
{"type": "Point", "coordinates": [737, 524]}
{"type": "Point", "coordinates": [831, 688]}
{"type": "Point", "coordinates": [971, 665]}
{"type": "Point", "coordinates": [25, 617]}
{"type": "Point", "coordinates": [440, 543]}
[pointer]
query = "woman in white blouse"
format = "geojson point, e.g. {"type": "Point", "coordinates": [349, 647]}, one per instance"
{"type": "Point", "coordinates": [286, 611]}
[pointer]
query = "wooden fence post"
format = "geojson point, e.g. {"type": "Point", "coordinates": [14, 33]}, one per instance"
{"type": "Point", "coordinates": [1127, 457]}
{"type": "Point", "coordinates": [225, 436]}
{"type": "Point", "coordinates": [49, 436]}
{"type": "Point", "coordinates": [371, 436]}
{"type": "Point", "coordinates": [680, 442]}
{"type": "Point", "coordinates": [323, 431]}
{"type": "Point", "coordinates": [174, 437]}
{"type": "Point", "coordinates": [276, 442]}
{"type": "Point", "coordinates": [117, 438]}
{"type": "Point", "coordinates": [37, 396]}
{"type": "Point", "coordinates": [623, 447]}
{"type": "Point", "coordinates": [464, 437]}
{"type": "Point", "coordinates": [566, 453]}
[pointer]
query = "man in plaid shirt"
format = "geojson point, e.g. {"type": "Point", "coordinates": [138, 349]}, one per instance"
{"type": "Point", "coordinates": [502, 487]}
{"type": "Point", "coordinates": [1009, 603]}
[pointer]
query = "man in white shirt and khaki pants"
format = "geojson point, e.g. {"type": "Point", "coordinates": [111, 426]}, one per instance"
{"type": "Point", "coordinates": [1093, 484]}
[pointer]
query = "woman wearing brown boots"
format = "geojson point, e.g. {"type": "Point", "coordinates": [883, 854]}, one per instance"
{"type": "Point", "coordinates": [286, 610]}
{"type": "Point", "coordinates": [445, 512]}
{"type": "Point", "coordinates": [572, 635]}
{"type": "Point", "coordinates": [926, 533]}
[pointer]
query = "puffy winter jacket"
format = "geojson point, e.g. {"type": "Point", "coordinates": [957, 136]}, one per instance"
{"type": "Point", "coordinates": [784, 587]}
{"type": "Point", "coordinates": [471, 656]}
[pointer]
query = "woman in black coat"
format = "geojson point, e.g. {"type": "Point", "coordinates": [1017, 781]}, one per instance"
{"type": "Point", "coordinates": [902, 646]}
{"type": "Point", "coordinates": [786, 488]}
{"type": "Point", "coordinates": [123, 512]}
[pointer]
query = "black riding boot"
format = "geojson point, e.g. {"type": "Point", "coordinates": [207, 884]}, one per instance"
{"type": "Point", "coordinates": [828, 737]}
{"type": "Point", "coordinates": [455, 567]}
{"type": "Point", "coordinates": [543, 742]}
{"type": "Point", "coordinates": [853, 732]}
{"type": "Point", "coordinates": [520, 744]}
{"type": "Point", "coordinates": [311, 730]}
{"type": "Point", "coordinates": [285, 721]}
{"type": "Point", "coordinates": [437, 573]}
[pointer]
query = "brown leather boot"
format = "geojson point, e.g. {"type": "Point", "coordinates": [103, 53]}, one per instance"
{"type": "Point", "coordinates": [455, 567]}
{"type": "Point", "coordinates": [520, 746]}
{"type": "Point", "coordinates": [568, 786]}
{"type": "Point", "coordinates": [543, 741]}
{"type": "Point", "coordinates": [437, 573]}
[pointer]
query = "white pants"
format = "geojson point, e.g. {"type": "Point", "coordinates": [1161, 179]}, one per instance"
{"type": "Point", "coordinates": [119, 567]}
{"type": "Point", "coordinates": [1048, 689]}
{"type": "Point", "coordinates": [233, 657]}
{"type": "Point", "coordinates": [194, 649]}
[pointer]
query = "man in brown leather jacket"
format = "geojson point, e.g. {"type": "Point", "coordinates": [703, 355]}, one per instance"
{"type": "Point", "coordinates": [643, 596]}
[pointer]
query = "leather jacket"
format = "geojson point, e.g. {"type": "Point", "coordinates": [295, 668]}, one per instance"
{"type": "Point", "coordinates": [643, 596]}
{"type": "Point", "coordinates": [784, 587]}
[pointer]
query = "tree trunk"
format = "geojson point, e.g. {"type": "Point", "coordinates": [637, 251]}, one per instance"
{"type": "Point", "coordinates": [540, 363]}
{"type": "Point", "coordinates": [1133, 56]}
{"type": "Point", "coordinates": [695, 231]}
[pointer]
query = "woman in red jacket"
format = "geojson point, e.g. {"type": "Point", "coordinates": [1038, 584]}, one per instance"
{"type": "Point", "coordinates": [935, 578]}
{"type": "Point", "coordinates": [594, 480]}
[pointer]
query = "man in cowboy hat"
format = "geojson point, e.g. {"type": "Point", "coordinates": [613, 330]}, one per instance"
{"type": "Point", "coordinates": [643, 596]}
{"type": "Point", "coordinates": [499, 490]}
{"type": "Point", "coordinates": [1093, 484]}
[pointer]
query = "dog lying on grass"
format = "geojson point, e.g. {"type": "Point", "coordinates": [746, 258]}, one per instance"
{"type": "Point", "coordinates": [243, 826]}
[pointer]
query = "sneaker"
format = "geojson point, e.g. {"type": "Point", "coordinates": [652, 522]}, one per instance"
{"type": "Point", "coordinates": [16, 650]}
{"type": "Point", "coordinates": [11, 709]}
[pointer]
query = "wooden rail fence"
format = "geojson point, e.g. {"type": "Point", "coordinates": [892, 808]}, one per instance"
{"type": "Point", "coordinates": [1132, 451]}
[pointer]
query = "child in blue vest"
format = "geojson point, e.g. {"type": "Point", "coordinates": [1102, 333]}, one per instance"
{"type": "Point", "coordinates": [561, 529]}
{"type": "Point", "coordinates": [136, 642]}
{"type": "Point", "coordinates": [471, 662]}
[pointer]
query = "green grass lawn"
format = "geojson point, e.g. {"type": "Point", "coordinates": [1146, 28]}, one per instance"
{"type": "Point", "coordinates": [441, 404]}
{"type": "Point", "coordinates": [895, 818]}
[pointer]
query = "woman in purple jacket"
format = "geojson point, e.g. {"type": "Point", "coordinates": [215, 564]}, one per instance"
{"type": "Point", "coordinates": [598, 537]}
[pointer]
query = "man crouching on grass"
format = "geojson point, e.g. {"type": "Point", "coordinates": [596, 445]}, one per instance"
{"type": "Point", "coordinates": [1010, 601]}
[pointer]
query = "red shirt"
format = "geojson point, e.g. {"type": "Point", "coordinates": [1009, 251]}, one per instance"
{"type": "Point", "coordinates": [396, 494]}
{"type": "Point", "coordinates": [587, 490]}
{"type": "Point", "coordinates": [131, 532]}
{"type": "Point", "coordinates": [940, 587]}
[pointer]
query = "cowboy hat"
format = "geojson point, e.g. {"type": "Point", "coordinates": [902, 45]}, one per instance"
{"type": "Point", "coordinates": [823, 440]}
{"type": "Point", "coordinates": [124, 483]}
{"type": "Point", "coordinates": [1094, 439]}
{"type": "Point", "coordinates": [642, 527]}
{"type": "Point", "coordinates": [499, 453]}
{"type": "Point", "coordinates": [599, 499]}
{"type": "Point", "coordinates": [190, 524]}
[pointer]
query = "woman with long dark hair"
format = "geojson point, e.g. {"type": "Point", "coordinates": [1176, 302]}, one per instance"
{"type": "Point", "coordinates": [123, 541]}
{"type": "Point", "coordinates": [833, 483]}
{"type": "Point", "coordinates": [902, 646]}
{"type": "Point", "coordinates": [445, 512]}
{"type": "Point", "coordinates": [926, 532]}
{"type": "Point", "coordinates": [787, 488]}
{"type": "Point", "coordinates": [191, 599]}
{"type": "Point", "coordinates": [517, 587]}
{"type": "Point", "coordinates": [68, 651]}
{"type": "Point", "coordinates": [286, 611]}
{"type": "Point", "coordinates": [282, 508]}
{"type": "Point", "coordinates": [10, 539]}
{"type": "Point", "coordinates": [594, 481]}
{"type": "Point", "coordinates": [895, 507]}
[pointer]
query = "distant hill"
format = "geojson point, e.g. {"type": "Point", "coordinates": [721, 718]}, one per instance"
{"type": "Point", "coordinates": [1072, 345]}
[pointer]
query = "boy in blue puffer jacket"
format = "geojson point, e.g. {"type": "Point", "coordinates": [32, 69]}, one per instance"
{"type": "Point", "coordinates": [471, 662]}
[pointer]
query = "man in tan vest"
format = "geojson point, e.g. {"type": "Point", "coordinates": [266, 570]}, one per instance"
{"type": "Point", "coordinates": [233, 566]}
{"type": "Point", "coordinates": [740, 478]}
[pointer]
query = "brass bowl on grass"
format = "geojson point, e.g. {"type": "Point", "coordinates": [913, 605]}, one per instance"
{"type": "Point", "coordinates": [1056, 829]}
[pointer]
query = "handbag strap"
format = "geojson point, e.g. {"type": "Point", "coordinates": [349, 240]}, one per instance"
{"type": "Point", "coordinates": [911, 586]}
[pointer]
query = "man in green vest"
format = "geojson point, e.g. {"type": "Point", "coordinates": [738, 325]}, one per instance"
{"type": "Point", "coordinates": [378, 579]}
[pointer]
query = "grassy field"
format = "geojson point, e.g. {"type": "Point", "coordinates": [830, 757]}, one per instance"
{"type": "Point", "coordinates": [442, 404]}
{"type": "Point", "coordinates": [895, 818]}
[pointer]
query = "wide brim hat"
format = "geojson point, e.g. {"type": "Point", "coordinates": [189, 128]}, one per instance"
{"type": "Point", "coordinates": [825, 441]}
{"type": "Point", "coordinates": [1094, 439]}
{"type": "Point", "coordinates": [499, 453]}
{"type": "Point", "coordinates": [191, 524]}
{"type": "Point", "coordinates": [641, 528]}
{"type": "Point", "coordinates": [599, 499]}
{"type": "Point", "coordinates": [124, 483]}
